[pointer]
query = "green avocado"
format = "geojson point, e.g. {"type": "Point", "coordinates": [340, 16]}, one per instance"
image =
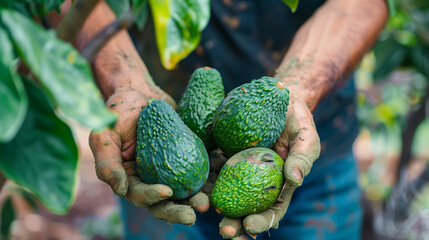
{"type": "Point", "coordinates": [251, 115]}
{"type": "Point", "coordinates": [249, 182]}
{"type": "Point", "coordinates": [202, 97]}
{"type": "Point", "coordinates": [168, 152]}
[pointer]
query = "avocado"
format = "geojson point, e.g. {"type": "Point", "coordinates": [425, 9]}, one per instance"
{"type": "Point", "coordinates": [249, 182]}
{"type": "Point", "coordinates": [168, 152]}
{"type": "Point", "coordinates": [202, 97]}
{"type": "Point", "coordinates": [251, 115]}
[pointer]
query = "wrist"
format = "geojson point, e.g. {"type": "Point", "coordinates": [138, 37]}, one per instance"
{"type": "Point", "coordinates": [307, 81]}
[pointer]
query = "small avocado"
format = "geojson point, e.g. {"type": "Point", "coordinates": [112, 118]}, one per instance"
{"type": "Point", "coordinates": [199, 102]}
{"type": "Point", "coordinates": [251, 115]}
{"type": "Point", "coordinates": [168, 152]}
{"type": "Point", "coordinates": [249, 182]}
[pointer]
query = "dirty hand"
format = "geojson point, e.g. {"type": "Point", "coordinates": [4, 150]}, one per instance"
{"type": "Point", "coordinates": [299, 145]}
{"type": "Point", "coordinates": [114, 153]}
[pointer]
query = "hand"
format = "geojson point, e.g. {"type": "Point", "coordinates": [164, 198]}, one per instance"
{"type": "Point", "coordinates": [114, 152]}
{"type": "Point", "coordinates": [299, 144]}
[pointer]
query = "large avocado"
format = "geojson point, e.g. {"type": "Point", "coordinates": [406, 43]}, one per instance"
{"type": "Point", "coordinates": [251, 115]}
{"type": "Point", "coordinates": [202, 97]}
{"type": "Point", "coordinates": [249, 182]}
{"type": "Point", "coordinates": [168, 152]}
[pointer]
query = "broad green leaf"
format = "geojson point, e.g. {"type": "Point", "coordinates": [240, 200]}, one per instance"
{"type": "Point", "coordinates": [178, 26]}
{"type": "Point", "coordinates": [13, 97]}
{"type": "Point", "coordinates": [7, 217]}
{"type": "Point", "coordinates": [141, 11]}
{"type": "Point", "coordinates": [64, 74]}
{"type": "Point", "coordinates": [119, 7]}
{"type": "Point", "coordinates": [43, 156]}
{"type": "Point", "coordinates": [32, 7]}
{"type": "Point", "coordinates": [292, 4]}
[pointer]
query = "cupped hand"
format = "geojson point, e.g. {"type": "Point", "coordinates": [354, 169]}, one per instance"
{"type": "Point", "coordinates": [299, 145]}
{"type": "Point", "coordinates": [114, 153]}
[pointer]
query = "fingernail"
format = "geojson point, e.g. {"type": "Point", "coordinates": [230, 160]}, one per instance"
{"type": "Point", "coordinates": [166, 192]}
{"type": "Point", "coordinates": [203, 208]}
{"type": "Point", "coordinates": [296, 173]}
{"type": "Point", "coordinates": [228, 231]}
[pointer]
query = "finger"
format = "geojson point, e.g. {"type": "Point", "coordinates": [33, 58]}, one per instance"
{"type": "Point", "coordinates": [302, 142]}
{"type": "Point", "coordinates": [200, 202]}
{"type": "Point", "coordinates": [262, 222]}
{"type": "Point", "coordinates": [106, 149]}
{"type": "Point", "coordinates": [173, 213]}
{"type": "Point", "coordinates": [143, 195]}
{"type": "Point", "coordinates": [230, 228]}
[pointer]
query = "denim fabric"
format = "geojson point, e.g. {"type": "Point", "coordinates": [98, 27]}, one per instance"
{"type": "Point", "coordinates": [325, 206]}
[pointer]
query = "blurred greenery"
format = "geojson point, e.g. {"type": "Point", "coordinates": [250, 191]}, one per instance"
{"type": "Point", "coordinates": [109, 227]}
{"type": "Point", "coordinates": [393, 81]}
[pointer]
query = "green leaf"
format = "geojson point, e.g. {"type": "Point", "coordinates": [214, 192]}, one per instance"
{"type": "Point", "coordinates": [32, 7]}
{"type": "Point", "coordinates": [119, 7]}
{"type": "Point", "coordinates": [178, 26]}
{"type": "Point", "coordinates": [13, 97]}
{"type": "Point", "coordinates": [43, 156]}
{"type": "Point", "coordinates": [7, 217]}
{"type": "Point", "coordinates": [141, 11]}
{"type": "Point", "coordinates": [292, 4]}
{"type": "Point", "coordinates": [64, 74]}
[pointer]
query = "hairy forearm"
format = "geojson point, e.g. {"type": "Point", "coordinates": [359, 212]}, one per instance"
{"type": "Point", "coordinates": [329, 45]}
{"type": "Point", "coordinates": [117, 66]}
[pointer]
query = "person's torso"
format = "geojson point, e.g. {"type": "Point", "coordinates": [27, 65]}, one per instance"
{"type": "Point", "coordinates": [246, 40]}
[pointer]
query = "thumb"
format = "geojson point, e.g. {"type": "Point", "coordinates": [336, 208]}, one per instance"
{"type": "Point", "coordinates": [304, 144]}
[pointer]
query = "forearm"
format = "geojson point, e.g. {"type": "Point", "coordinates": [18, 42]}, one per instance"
{"type": "Point", "coordinates": [329, 45]}
{"type": "Point", "coordinates": [117, 66]}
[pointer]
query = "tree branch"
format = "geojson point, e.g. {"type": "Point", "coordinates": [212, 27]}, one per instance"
{"type": "Point", "coordinates": [98, 41]}
{"type": "Point", "coordinates": [414, 120]}
{"type": "Point", "coordinates": [403, 193]}
{"type": "Point", "coordinates": [74, 20]}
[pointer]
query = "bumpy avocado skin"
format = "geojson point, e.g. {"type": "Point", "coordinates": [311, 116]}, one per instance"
{"type": "Point", "coordinates": [168, 152]}
{"type": "Point", "coordinates": [202, 97]}
{"type": "Point", "coordinates": [250, 182]}
{"type": "Point", "coordinates": [251, 115]}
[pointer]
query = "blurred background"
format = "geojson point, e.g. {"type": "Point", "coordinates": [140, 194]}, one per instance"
{"type": "Point", "coordinates": [392, 149]}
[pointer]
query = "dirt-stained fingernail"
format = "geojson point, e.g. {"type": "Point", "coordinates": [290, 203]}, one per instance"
{"type": "Point", "coordinates": [165, 192]}
{"type": "Point", "coordinates": [296, 173]}
{"type": "Point", "coordinates": [228, 231]}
